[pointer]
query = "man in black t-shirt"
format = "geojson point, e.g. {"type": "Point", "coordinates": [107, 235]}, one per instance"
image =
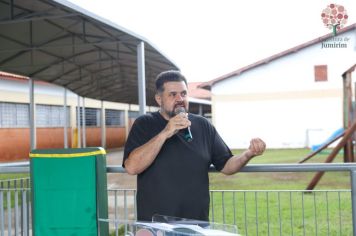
{"type": "Point", "coordinates": [173, 171]}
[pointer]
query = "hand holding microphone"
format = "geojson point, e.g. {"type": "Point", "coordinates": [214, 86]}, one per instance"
{"type": "Point", "coordinates": [187, 134]}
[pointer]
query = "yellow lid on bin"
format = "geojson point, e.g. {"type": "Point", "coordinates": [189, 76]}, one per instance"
{"type": "Point", "coordinates": [50, 154]}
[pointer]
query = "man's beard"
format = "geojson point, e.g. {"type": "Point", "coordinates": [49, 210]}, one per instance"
{"type": "Point", "coordinates": [173, 112]}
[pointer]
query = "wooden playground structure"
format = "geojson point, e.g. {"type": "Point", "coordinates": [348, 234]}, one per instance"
{"type": "Point", "coordinates": [347, 136]}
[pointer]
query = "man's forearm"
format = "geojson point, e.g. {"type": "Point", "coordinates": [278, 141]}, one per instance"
{"type": "Point", "coordinates": [235, 163]}
{"type": "Point", "coordinates": [143, 156]}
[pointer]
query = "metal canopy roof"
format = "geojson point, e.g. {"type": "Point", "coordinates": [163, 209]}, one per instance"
{"type": "Point", "coordinates": [58, 42]}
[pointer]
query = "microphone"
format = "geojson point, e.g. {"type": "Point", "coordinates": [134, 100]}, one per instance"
{"type": "Point", "coordinates": [187, 134]}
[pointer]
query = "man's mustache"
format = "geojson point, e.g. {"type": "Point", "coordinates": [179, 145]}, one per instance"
{"type": "Point", "coordinates": [179, 104]}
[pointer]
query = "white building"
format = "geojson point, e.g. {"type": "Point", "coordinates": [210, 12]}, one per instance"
{"type": "Point", "coordinates": [292, 99]}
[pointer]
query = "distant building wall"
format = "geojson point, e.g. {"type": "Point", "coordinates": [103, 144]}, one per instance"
{"type": "Point", "coordinates": [49, 116]}
{"type": "Point", "coordinates": [284, 101]}
{"type": "Point", "coordinates": [49, 99]}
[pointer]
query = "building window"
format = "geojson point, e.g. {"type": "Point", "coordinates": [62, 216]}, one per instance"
{"type": "Point", "coordinates": [321, 73]}
{"type": "Point", "coordinates": [51, 116]}
{"type": "Point", "coordinates": [14, 115]}
{"type": "Point", "coordinates": [92, 116]}
{"type": "Point", "coordinates": [114, 117]}
{"type": "Point", "coordinates": [133, 114]}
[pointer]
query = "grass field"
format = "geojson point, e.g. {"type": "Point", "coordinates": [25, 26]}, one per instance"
{"type": "Point", "coordinates": [13, 176]}
{"type": "Point", "coordinates": [280, 180]}
{"type": "Point", "coordinates": [283, 212]}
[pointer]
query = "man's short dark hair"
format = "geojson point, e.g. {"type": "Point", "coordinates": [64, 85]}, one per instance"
{"type": "Point", "coordinates": [169, 76]}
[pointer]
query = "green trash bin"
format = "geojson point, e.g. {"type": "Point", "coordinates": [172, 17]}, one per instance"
{"type": "Point", "coordinates": [69, 192]}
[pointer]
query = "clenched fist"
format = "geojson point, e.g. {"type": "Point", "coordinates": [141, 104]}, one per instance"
{"type": "Point", "coordinates": [257, 147]}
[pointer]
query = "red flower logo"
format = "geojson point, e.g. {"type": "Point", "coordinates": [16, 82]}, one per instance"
{"type": "Point", "coordinates": [334, 17]}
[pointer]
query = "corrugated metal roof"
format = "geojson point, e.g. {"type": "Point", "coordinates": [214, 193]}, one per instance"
{"type": "Point", "coordinates": [58, 42]}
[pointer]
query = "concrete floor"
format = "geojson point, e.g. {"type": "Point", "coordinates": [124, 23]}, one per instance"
{"type": "Point", "coordinates": [119, 181]}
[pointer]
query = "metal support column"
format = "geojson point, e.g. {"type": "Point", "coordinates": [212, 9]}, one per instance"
{"type": "Point", "coordinates": [200, 109]}
{"type": "Point", "coordinates": [103, 126]}
{"type": "Point", "coordinates": [78, 123]}
{"type": "Point", "coordinates": [32, 115]}
{"type": "Point", "coordinates": [353, 200]}
{"type": "Point", "coordinates": [141, 77]}
{"type": "Point", "coordinates": [65, 119]}
{"type": "Point", "coordinates": [127, 120]}
{"type": "Point", "coordinates": [84, 126]}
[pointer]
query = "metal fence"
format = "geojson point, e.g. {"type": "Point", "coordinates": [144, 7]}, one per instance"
{"type": "Point", "coordinates": [264, 212]}
{"type": "Point", "coordinates": [255, 212]}
{"type": "Point", "coordinates": [15, 207]}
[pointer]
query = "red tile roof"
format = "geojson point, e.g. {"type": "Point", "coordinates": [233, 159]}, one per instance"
{"type": "Point", "coordinates": [19, 78]}
{"type": "Point", "coordinates": [9, 76]}
{"type": "Point", "coordinates": [196, 92]}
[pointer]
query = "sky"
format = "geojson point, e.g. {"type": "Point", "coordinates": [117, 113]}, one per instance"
{"type": "Point", "coordinates": [210, 38]}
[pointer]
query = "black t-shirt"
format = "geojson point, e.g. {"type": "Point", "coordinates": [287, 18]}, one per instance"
{"type": "Point", "coordinates": [177, 182]}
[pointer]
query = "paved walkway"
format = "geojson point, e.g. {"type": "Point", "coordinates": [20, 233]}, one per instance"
{"type": "Point", "coordinates": [118, 180]}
